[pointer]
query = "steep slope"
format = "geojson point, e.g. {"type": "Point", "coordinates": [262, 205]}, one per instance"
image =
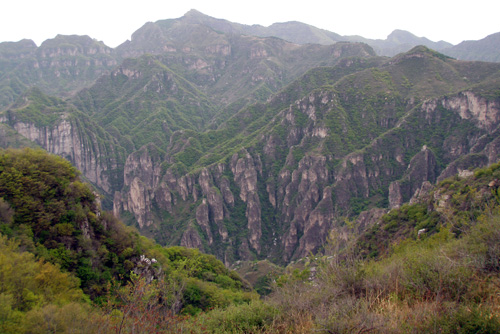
{"type": "Point", "coordinates": [54, 215]}
{"type": "Point", "coordinates": [181, 85]}
{"type": "Point", "coordinates": [226, 64]}
{"type": "Point", "coordinates": [455, 202]}
{"type": "Point", "coordinates": [434, 266]}
{"type": "Point", "coordinates": [60, 128]}
{"type": "Point", "coordinates": [276, 177]}
{"type": "Point", "coordinates": [143, 101]}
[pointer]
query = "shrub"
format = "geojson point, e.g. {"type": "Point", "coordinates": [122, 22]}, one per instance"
{"type": "Point", "coordinates": [254, 317]}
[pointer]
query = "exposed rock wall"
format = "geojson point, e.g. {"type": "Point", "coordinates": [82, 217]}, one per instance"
{"type": "Point", "coordinates": [308, 197]}
{"type": "Point", "coordinates": [423, 167]}
{"type": "Point", "coordinates": [289, 212]}
{"type": "Point", "coordinates": [97, 162]}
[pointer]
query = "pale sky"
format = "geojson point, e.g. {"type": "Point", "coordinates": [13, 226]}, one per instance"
{"type": "Point", "coordinates": [113, 22]}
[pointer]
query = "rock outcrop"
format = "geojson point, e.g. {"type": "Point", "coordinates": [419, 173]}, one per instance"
{"type": "Point", "coordinates": [241, 210]}
{"type": "Point", "coordinates": [97, 159]}
{"type": "Point", "coordinates": [422, 168]}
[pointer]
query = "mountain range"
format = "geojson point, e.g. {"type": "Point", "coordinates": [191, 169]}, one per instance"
{"type": "Point", "coordinates": [250, 142]}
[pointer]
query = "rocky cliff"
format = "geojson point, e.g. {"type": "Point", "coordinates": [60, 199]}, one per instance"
{"type": "Point", "coordinates": [63, 131]}
{"type": "Point", "coordinates": [289, 214]}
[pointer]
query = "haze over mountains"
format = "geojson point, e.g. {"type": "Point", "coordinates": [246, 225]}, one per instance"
{"type": "Point", "coordinates": [252, 142]}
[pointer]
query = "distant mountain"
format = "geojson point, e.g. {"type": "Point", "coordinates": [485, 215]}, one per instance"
{"type": "Point", "coordinates": [399, 41]}
{"type": "Point", "coordinates": [80, 60]}
{"type": "Point", "coordinates": [60, 66]}
{"type": "Point", "coordinates": [161, 36]}
{"type": "Point", "coordinates": [301, 33]}
{"type": "Point", "coordinates": [486, 49]}
{"type": "Point", "coordinates": [295, 32]}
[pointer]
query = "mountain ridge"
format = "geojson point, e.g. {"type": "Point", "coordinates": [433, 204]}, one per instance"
{"type": "Point", "coordinates": [254, 147]}
{"type": "Point", "coordinates": [50, 66]}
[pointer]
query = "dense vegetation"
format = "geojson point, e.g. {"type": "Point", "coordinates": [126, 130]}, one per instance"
{"type": "Point", "coordinates": [55, 216]}
{"type": "Point", "coordinates": [59, 252]}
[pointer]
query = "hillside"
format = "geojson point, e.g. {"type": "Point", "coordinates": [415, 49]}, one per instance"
{"type": "Point", "coordinates": [485, 49]}
{"type": "Point", "coordinates": [293, 166]}
{"type": "Point", "coordinates": [358, 192]}
{"type": "Point", "coordinates": [66, 251]}
{"type": "Point", "coordinates": [439, 271]}
{"type": "Point", "coordinates": [433, 263]}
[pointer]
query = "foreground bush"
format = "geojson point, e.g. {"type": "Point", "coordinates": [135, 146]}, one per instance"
{"type": "Point", "coordinates": [255, 317]}
{"type": "Point", "coordinates": [439, 284]}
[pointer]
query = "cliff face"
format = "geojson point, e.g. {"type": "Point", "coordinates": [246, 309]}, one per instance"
{"type": "Point", "coordinates": [77, 139]}
{"type": "Point", "coordinates": [209, 191]}
{"type": "Point", "coordinates": [241, 209]}
{"type": "Point", "coordinates": [422, 167]}
{"type": "Point", "coordinates": [94, 160]}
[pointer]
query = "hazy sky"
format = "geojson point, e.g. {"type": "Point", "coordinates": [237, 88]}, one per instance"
{"type": "Point", "coordinates": [113, 22]}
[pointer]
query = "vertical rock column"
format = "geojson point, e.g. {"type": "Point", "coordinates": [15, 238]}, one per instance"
{"type": "Point", "coordinates": [245, 175]}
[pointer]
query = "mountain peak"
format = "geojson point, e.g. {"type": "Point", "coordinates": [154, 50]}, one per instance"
{"type": "Point", "coordinates": [74, 40]}
{"type": "Point", "coordinates": [404, 37]}
{"type": "Point", "coordinates": [194, 13]}
{"type": "Point", "coordinates": [400, 32]}
{"type": "Point", "coordinates": [421, 51]}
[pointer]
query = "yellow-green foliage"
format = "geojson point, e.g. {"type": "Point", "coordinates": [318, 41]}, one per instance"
{"type": "Point", "coordinates": [28, 285]}
{"type": "Point", "coordinates": [253, 317]}
{"type": "Point", "coordinates": [202, 295]}
{"type": "Point", "coordinates": [456, 203]}
{"type": "Point", "coordinates": [206, 282]}
{"type": "Point", "coordinates": [440, 284]}
{"type": "Point", "coordinates": [445, 283]}
{"type": "Point", "coordinates": [54, 215]}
